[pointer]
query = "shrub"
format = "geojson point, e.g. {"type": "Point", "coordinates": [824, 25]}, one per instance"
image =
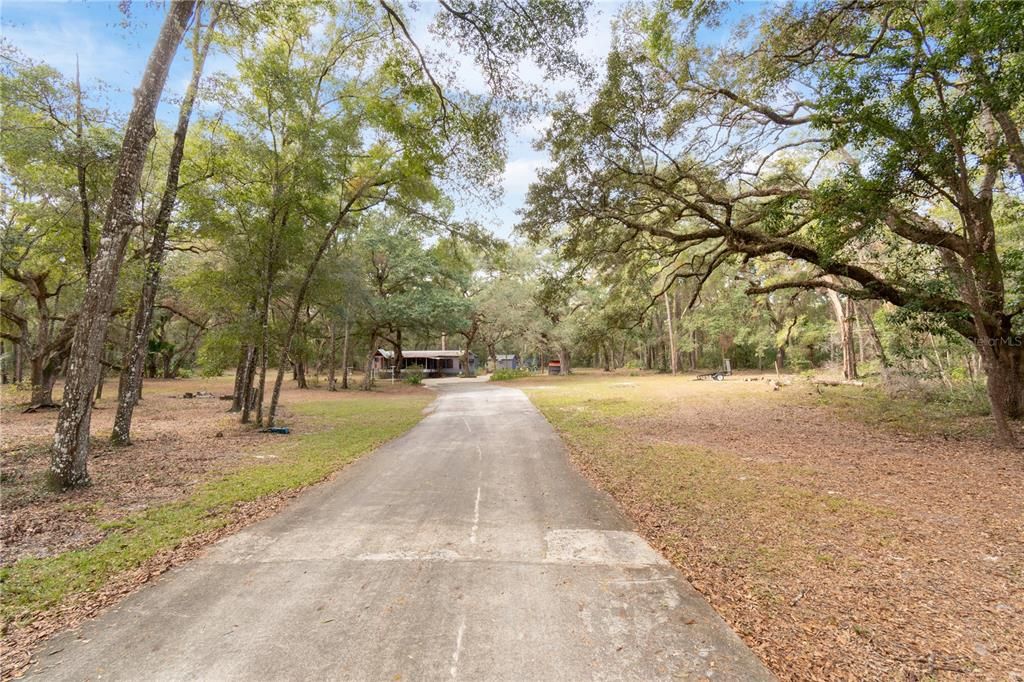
{"type": "Point", "coordinates": [507, 374]}
{"type": "Point", "coordinates": [413, 374]}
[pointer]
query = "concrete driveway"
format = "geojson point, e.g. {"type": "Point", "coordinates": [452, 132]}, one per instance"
{"type": "Point", "coordinates": [467, 549]}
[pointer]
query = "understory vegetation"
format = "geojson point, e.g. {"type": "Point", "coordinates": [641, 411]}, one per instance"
{"type": "Point", "coordinates": [509, 374]}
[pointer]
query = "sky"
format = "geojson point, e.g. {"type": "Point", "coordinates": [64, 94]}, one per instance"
{"type": "Point", "coordinates": [112, 50]}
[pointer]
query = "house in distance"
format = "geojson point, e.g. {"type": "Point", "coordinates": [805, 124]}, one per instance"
{"type": "Point", "coordinates": [435, 363]}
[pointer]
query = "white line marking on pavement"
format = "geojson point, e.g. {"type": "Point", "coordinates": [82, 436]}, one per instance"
{"type": "Point", "coordinates": [479, 453]}
{"type": "Point", "coordinates": [458, 648]}
{"type": "Point", "coordinates": [467, 425]}
{"type": "Point", "coordinates": [476, 517]}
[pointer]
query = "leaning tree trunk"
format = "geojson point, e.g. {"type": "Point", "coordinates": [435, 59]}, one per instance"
{"type": "Point", "coordinates": [70, 451]}
{"type": "Point", "coordinates": [864, 315]}
{"type": "Point", "coordinates": [130, 381]}
{"type": "Point", "coordinates": [300, 295]}
{"type": "Point", "coordinates": [842, 308]}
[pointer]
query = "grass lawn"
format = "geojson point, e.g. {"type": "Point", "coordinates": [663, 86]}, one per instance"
{"type": "Point", "coordinates": [844, 535]}
{"type": "Point", "coordinates": [224, 475]}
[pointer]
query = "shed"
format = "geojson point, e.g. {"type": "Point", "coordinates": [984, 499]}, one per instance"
{"type": "Point", "coordinates": [507, 361]}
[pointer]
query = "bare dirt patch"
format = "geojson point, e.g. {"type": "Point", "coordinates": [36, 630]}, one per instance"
{"type": "Point", "coordinates": [837, 549]}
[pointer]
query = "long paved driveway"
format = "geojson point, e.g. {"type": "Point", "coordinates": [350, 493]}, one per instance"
{"type": "Point", "coordinates": [467, 549]}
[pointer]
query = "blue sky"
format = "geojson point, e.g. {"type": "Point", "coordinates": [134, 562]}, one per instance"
{"type": "Point", "coordinates": [113, 49]}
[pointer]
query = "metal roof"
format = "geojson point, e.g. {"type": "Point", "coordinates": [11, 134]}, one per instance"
{"type": "Point", "coordinates": [433, 353]}
{"type": "Point", "coordinates": [424, 354]}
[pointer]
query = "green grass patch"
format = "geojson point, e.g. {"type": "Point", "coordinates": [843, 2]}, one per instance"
{"type": "Point", "coordinates": [924, 413]}
{"type": "Point", "coordinates": [510, 374]}
{"type": "Point", "coordinates": [353, 427]}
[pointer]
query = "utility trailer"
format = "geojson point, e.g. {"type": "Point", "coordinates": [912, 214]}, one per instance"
{"type": "Point", "coordinates": [718, 375]}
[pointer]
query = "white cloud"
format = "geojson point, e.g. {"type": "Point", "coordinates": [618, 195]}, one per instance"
{"type": "Point", "coordinates": [519, 173]}
{"type": "Point", "coordinates": [535, 128]}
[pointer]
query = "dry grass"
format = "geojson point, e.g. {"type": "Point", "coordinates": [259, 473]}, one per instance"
{"type": "Point", "coordinates": [839, 544]}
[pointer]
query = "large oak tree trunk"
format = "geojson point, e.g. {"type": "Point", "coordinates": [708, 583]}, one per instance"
{"type": "Point", "coordinates": [1008, 389]}
{"type": "Point", "coordinates": [470, 335]}
{"type": "Point", "coordinates": [70, 451]}
{"type": "Point", "coordinates": [130, 381]}
{"type": "Point", "coordinates": [42, 393]}
{"type": "Point", "coordinates": [1003, 360]}
{"type": "Point", "coordinates": [564, 358]}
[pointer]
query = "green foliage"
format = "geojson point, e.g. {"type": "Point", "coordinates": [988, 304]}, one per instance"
{"type": "Point", "coordinates": [872, 149]}
{"type": "Point", "coordinates": [510, 374]}
{"type": "Point", "coordinates": [413, 374]}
